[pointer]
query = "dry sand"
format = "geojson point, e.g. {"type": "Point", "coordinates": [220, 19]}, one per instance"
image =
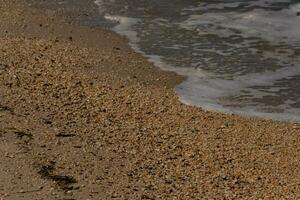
{"type": "Point", "coordinates": [84, 117]}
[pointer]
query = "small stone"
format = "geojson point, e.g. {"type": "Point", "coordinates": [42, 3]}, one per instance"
{"type": "Point", "coordinates": [296, 127]}
{"type": "Point", "coordinates": [69, 192]}
{"type": "Point", "coordinates": [114, 195]}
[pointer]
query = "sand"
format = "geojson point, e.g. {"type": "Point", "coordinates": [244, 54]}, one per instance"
{"type": "Point", "coordinates": [82, 116]}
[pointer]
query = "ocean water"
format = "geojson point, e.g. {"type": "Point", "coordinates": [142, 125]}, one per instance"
{"type": "Point", "coordinates": [239, 56]}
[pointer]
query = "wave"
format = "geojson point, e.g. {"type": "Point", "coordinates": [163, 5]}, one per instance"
{"type": "Point", "coordinates": [233, 91]}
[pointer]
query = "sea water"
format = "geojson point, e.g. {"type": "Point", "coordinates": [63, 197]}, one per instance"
{"type": "Point", "coordinates": [239, 56]}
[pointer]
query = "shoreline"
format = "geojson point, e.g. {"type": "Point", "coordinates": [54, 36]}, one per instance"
{"type": "Point", "coordinates": [74, 14]}
{"type": "Point", "coordinates": [82, 119]}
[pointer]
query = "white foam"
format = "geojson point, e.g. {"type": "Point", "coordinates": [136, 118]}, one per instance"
{"type": "Point", "coordinates": [268, 77]}
{"type": "Point", "coordinates": [275, 26]}
{"type": "Point", "coordinates": [206, 94]}
{"type": "Point", "coordinates": [102, 5]}
{"type": "Point", "coordinates": [124, 26]}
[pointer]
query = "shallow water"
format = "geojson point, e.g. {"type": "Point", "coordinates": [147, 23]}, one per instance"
{"type": "Point", "coordinates": [240, 56]}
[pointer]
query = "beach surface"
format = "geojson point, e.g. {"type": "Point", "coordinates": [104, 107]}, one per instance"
{"type": "Point", "coordinates": [82, 116]}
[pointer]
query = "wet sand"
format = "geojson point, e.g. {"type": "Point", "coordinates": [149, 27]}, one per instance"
{"type": "Point", "coordinates": [84, 117]}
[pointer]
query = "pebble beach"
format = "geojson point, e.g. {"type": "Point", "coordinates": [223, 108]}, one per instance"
{"type": "Point", "coordinates": [83, 116]}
